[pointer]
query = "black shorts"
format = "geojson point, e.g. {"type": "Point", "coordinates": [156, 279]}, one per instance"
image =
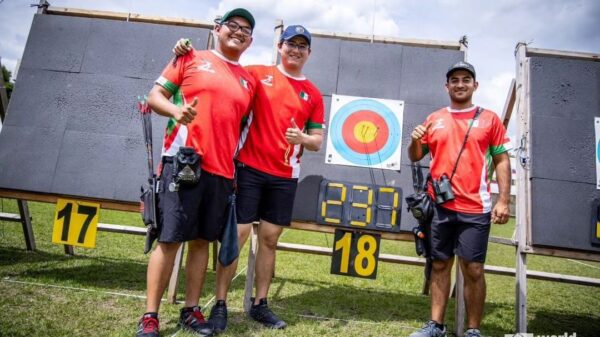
{"type": "Point", "coordinates": [463, 234]}
{"type": "Point", "coordinates": [262, 196]}
{"type": "Point", "coordinates": [192, 212]}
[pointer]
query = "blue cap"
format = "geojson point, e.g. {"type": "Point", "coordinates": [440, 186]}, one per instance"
{"type": "Point", "coordinates": [295, 30]}
{"type": "Point", "coordinates": [241, 12]}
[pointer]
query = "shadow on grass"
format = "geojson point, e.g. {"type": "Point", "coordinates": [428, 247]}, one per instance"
{"type": "Point", "coordinates": [552, 322]}
{"type": "Point", "coordinates": [81, 271]}
{"type": "Point", "coordinates": [346, 304]}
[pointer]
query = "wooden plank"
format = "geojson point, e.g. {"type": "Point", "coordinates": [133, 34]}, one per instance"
{"type": "Point", "coordinates": [311, 226]}
{"type": "Point", "coordinates": [10, 217]}
{"type": "Point", "coordinates": [570, 254]}
{"type": "Point", "coordinates": [133, 17]}
{"type": "Point", "coordinates": [509, 104]}
{"type": "Point", "coordinates": [415, 261]}
{"type": "Point", "coordinates": [562, 54]}
{"type": "Point", "coordinates": [502, 241]}
{"type": "Point", "coordinates": [391, 40]}
{"type": "Point", "coordinates": [51, 198]}
{"type": "Point", "coordinates": [104, 227]}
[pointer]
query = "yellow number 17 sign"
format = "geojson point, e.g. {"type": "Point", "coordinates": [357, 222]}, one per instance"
{"type": "Point", "coordinates": [75, 223]}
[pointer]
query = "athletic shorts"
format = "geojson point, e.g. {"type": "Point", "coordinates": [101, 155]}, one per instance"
{"type": "Point", "coordinates": [192, 212]}
{"type": "Point", "coordinates": [463, 234]}
{"type": "Point", "coordinates": [261, 196]}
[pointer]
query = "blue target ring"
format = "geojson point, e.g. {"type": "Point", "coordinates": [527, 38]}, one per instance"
{"type": "Point", "coordinates": [337, 139]}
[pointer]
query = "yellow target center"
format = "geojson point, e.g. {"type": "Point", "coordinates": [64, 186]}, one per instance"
{"type": "Point", "coordinates": [365, 131]}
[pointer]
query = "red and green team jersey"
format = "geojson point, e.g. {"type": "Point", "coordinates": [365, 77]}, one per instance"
{"type": "Point", "coordinates": [224, 90]}
{"type": "Point", "coordinates": [443, 140]}
{"type": "Point", "coordinates": [279, 99]}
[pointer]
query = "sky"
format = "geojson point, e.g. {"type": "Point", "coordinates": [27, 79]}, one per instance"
{"type": "Point", "coordinates": [493, 28]}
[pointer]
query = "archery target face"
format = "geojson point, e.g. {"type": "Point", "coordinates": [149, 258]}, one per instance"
{"type": "Point", "coordinates": [365, 132]}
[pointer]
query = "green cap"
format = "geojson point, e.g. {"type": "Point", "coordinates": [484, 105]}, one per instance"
{"type": "Point", "coordinates": [241, 12]}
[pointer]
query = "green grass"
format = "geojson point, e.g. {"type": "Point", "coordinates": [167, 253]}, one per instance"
{"type": "Point", "coordinates": [100, 291]}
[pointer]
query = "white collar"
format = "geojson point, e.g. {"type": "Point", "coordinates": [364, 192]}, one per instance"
{"type": "Point", "coordinates": [222, 57]}
{"type": "Point", "coordinates": [300, 78]}
{"type": "Point", "coordinates": [469, 109]}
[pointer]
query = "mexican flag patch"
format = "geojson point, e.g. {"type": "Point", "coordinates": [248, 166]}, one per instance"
{"type": "Point", "coordinates": [304, 95]}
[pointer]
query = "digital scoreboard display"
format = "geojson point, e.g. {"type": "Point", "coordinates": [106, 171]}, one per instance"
{"type": "Point", "coordinates": [360, 206]}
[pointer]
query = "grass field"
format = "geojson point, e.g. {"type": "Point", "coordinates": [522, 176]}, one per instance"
{"type": "Point", "coordinates": [100, 292]}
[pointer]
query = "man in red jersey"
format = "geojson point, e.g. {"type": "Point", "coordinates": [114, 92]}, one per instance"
{"type": "Point", "coordinates": [461, 225]}
{"type": "Point", "coordinates": [286, 118]}
{"type": "Point", "coordinates": [212, 93]}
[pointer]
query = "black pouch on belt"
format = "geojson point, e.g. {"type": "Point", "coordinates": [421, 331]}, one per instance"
{"type": "Point", "coordinates": [186, 170]}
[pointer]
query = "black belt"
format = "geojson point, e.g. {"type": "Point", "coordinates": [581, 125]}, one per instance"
{"type": "Point", "coordinates": [170, 159]}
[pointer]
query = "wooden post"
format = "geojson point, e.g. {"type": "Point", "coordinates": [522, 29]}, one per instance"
{"type": "Point", "coordinates": [523, 218]}
{"type": "Point", "coordinates": [464, 46]}
{"type": "Point", "coordinates": [250, 270]}
{"type": "Point", "coordinates": [278, 30]}
{"type": "Point", "coordinates": [26, 224]}
{"type": "Point", "coordinates": [509, 104]}
{"type": "Point", "coordinates": [69, 250]}
{"type": "Point", "coordinates": [426, 277]}
{"type": "Point", "coordinates": [459, 308]}
{"type": "Point", "coordinates": [172, 292]}
{"type": "Point", "coordinates": [42, 7]}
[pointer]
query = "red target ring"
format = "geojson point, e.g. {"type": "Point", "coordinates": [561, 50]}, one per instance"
{"type": "Point", "coordinates": [365, 132]}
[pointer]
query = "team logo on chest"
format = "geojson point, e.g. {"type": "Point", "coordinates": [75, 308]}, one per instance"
{"type": "Point", "coordinates": [206, 66]}
{"type": "Point", "coordinates": [244, 83]}
{"type": "Point", "coordinates": [268, 80]}
{"type": "Point", "coordinates": [438, 124]}
{"type": "Point", "coordinates": [304, 95]}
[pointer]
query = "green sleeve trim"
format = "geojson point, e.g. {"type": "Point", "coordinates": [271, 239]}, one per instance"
{"type": "Point", "coordinates": [496, 150]}
{"type": "Point", "coordinates": [425, 149]}
{"type": "Point", "coordinates": [170, 86]}
{"type": "Point", "coordinates": [313, 125]}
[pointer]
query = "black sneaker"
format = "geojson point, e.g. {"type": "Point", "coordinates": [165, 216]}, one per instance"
{"type": "Point", "coordinates": [262, 314]}
{"type": "Point", "coordinates": [148, 326]}
{"type": "Point", "coordinates": [218, 316]}
{"type": "Point", "coordinates": [192, 319]}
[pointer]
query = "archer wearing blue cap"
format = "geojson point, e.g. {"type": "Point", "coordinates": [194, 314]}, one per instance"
{"type": "Point", "coordinates": [295, 30]}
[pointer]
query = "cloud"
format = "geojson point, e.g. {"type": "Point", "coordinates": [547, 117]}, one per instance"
{"type": "Point", "coordinates": [493, 28]}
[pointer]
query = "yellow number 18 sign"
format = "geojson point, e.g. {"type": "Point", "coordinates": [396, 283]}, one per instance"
{"type": "Point", "coordinates": [355, 254]}
{"type": "Point", "coordinates": [75, 223]}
